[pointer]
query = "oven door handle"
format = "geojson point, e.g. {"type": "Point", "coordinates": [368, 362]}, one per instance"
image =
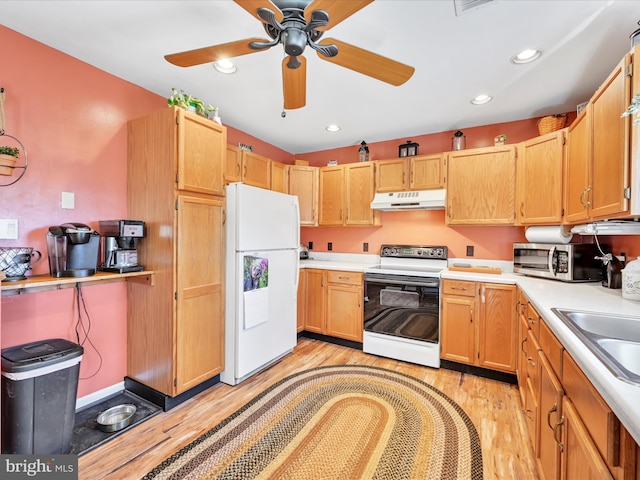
{"type": "Point", "coordinates": [400, 283]}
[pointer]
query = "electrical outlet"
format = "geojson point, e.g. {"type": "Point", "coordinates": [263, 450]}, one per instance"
{"type": "Point", "coordinates": [330, 246]}
{"type": "Point", "coordinates": [8, 228]}
{"type": "Point", "coordinates": [469, 250]}
{"type": "Point", "coordinates": [365, 247]}
{"type": "Point", "coordinates": [310, 246]}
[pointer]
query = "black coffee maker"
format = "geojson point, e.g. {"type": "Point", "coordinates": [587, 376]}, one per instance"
{"type": "Point", "coordinates": [73, 250]}
{"type": "Point", "coordinates": [612, 271]}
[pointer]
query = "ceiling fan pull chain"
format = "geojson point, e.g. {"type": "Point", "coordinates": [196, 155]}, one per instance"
{"type": "Point", "coordinates": [1, 110]}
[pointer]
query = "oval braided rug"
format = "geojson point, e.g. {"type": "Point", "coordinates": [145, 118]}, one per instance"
{"type": "Point", "coordinates": [337, 422]}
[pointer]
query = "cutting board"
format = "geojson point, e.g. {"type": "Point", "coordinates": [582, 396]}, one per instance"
{"type": "Point", "coordinates": [475, 269]}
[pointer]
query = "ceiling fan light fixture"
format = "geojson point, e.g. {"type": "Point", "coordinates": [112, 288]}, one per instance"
{"type": "Point", "coordinates": [225, 66]}
{"type": "Point", "coordinates": [332, 128]}
{"type": "Point", "coordinates": [482, 99]}
{"type": "Point", "coordinates": [526, 56]}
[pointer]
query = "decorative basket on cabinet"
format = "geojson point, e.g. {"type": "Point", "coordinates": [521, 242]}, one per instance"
{"type": "Point", "coordinates": [552, 123]}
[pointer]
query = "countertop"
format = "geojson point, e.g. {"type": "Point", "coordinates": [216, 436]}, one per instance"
{"type": "Point", "coordinates": [622, 397]}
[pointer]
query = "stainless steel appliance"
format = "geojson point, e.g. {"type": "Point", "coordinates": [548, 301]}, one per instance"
{"type": "Point", "coordinates": [119, 245]}
{"type": "Point", "coordinates": [402, 304]}
{"type": "Point", "coordinates": [570, 262]}
{"type": "Point", "coordinates": [73, 250]}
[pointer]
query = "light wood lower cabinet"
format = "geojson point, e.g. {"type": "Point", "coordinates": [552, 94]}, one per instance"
{"type": "Point", "coordinates": [478, 325]}
{"type": "Point", "coordinates": [334, 303]}
{"type": "Point", "coordinates": [301, 316]}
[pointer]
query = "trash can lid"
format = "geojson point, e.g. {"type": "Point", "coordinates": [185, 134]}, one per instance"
{"type": "Point", "coordinates": [38, 354]}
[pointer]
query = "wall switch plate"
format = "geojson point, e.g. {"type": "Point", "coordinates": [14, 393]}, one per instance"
{"type": "Point", "coordinates": [68, 200]}
{"type": "Point", "coordinates": [310, 246]}
{"type": "Point", "coordinates": [470, 251]}
{"type": "Point", "coordinates": [8, 228]}
{"type": "Point", "coordinates": [330, 246]}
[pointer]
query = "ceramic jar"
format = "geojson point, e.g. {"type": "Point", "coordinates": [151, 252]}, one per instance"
{"type": "Point", "coordinates": [631, 280]}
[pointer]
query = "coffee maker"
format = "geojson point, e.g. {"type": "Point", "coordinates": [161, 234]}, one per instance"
{"type": "Point", "coordinates": [73, 250]}
{"type": "Point", "coordinates": [119, 245]}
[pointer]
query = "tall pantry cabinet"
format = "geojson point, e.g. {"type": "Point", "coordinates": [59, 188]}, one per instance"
{"type": "Point", "coordinates": [175, 184]}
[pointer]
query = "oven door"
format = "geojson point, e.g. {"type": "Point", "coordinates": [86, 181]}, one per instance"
{"type": "Point", "coordinates": [402, 306]}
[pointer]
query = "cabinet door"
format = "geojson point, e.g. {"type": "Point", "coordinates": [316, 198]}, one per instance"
{"type": "Point", "coordinates": [233, 165]}
{"type": "Point", "coordinates": [199, 330]}
{"type": "Point", "coordinates": [344, 312]}
{"type": "Point", "coordinates": [531, 414]}
{"type": "Point", "coordinates": [610, 170]}
{"type": "Point", "coordinates": [303, 182]}
{"type": "Point", "coordinates": [256, 170]}
{"type": "Point", "coordinates": [426, 172]}
{"type": "Point", "coordinates": [201, 153]}
{"type": "Point", "coordinates": [481, 186]}
{"type": "Point", "coordinates": [359, 193]}
{"type": "Point", "coordinates": [278, 177]}
{"type": "Point", "coordinates": [457, 336]}
{"type": "Point", "coordinates": [580, 457]}
{"type": "Point", "coordinates": [391, 175]}
{"type": "Point", "coordinates": [331, 196]}
{"type": "Point", "coordinates": [540, 164]}
{"type": "Point", "coordinates": [551, 394]}
{"type": "Point", "coordinates": [523, 346]}
{"type": "Point", "coordinates": [315, 314]}
{"type": "Point", "coordinates": [302, 299]}
{"type": "Point", "coordinates": [576, 174]}
{"type": "Point", "coordinates": [498, 327]}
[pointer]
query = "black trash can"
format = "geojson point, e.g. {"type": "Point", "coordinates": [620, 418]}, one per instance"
{"type": "Point", "coordinates": [39, 389]}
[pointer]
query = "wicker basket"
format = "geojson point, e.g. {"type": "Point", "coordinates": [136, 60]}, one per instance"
{"type": "Point", "coordinates": [552, 123]}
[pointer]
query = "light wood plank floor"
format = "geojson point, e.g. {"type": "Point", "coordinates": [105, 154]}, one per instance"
{"type": "Point", "coordinates": [494, 407]}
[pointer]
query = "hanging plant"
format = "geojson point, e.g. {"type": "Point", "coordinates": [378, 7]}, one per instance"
{"type": "Point", "coordinates": [8, 158]}
{"type": "Point", "coordinates": [634, 108]}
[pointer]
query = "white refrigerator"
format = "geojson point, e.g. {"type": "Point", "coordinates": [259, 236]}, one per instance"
{"type": "Point", "coordinates": [262, 262]}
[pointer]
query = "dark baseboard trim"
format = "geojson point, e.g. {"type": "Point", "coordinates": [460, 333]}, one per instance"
{"type": "Point", "coordinates": [329, 339]}
{"type": "Point", "coordinates": [163, 400]}
{"type": "Point", "coordinates": [480, 372]}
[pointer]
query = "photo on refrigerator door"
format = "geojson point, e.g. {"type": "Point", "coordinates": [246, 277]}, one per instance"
{"type": "Point", "coordinates": [256, 272]}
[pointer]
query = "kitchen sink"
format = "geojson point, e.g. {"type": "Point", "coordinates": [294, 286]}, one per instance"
{"type": "Point", "coordinates": [614, 339]}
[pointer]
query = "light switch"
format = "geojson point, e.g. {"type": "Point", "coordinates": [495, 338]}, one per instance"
{"type": "Point", "coordinates": [68, 200]}
{"type": "Point", "coordinates": [8, 228]}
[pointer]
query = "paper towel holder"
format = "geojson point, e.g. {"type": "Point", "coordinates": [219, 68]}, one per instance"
{"type": "Point", "coordinates": [549, 234]}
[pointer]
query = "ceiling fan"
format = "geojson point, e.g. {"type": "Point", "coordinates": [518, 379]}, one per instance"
{"type": "Point", "coordinates": [296, 24]}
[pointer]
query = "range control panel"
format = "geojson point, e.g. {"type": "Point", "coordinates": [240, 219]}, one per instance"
{"type": "Point", "coordinates": [413, 251]}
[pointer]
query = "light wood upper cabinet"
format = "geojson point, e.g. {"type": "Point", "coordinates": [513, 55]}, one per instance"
{"type": "Point", "coordinates": [256, 170]}
{"type": "Point", "coordinates": [539, 175]}
{"type": "Point", "coordinates": [597, 169]}
{"type": "Point", "coordinates": [278, 177]}
{"type": "Point", "coordinates": [233, 165]}
{"type": "Point", "coordinates": [302, 181]}
{"type": "Point", "coordinates": [481, 186]}
{"type": "Point", "coordinates": [427, 172]}
{"type": "Point", "coordinates": [391, 175]}
{"type": "Point", "coordinates": [423, 172]}
{"type": "Point", "coordinates": [175, 329]}
{"type": "Point", "coordinates": [346, 192]}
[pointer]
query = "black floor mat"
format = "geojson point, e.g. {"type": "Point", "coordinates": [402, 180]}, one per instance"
{"type": "Point", "coordinates": [87, 435]}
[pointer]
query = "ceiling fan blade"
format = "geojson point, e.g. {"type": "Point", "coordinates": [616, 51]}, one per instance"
{"type": "Point", "coordinates": [338, 11]}
{"type": "Point", "coordinates": [368, 63]}
{"type": "Point", "coordinates": [294, 83]}
{"type": "Point", "coordinates": [252, 7]}
{"type": "Point", "coordinates": [213, 53]}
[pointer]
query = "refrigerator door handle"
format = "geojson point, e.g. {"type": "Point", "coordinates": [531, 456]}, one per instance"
{"type": "Point", "coordinates": [297, 279]}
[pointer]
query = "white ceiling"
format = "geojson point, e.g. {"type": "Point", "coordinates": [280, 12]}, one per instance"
{"type": "Point", "coordinates": [455, 57]}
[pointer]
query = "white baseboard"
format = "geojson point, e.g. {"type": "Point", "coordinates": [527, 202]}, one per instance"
{"type": "Point", "coordinates": [99, 395]}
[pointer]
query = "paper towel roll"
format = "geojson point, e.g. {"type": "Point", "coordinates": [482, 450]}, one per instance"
{"type": "Point", "coordinates": [549, 234]}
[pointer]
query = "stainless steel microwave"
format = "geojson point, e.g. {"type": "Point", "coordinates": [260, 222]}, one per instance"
{"type": "Point", "coordinates": [571, 262]}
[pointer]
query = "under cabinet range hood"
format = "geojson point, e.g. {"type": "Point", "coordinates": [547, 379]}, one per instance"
{"type": "Point", "coordinates": [409, 200]}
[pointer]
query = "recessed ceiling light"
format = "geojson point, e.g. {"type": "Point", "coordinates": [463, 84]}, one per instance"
{"type": "Point", "coordinates": [480, 99]}
{"type": "Point", "coordinates": [225, 66]}
{"type": "Point", "coordinates": [526, 56]}
{"type": "Point", "coordinates": [332, 128]}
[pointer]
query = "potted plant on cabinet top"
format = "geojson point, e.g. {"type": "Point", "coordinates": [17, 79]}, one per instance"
{"type": "Point", "coordinates": [8, 158]}
{"type": "Point", "coordinates": [189, 102]}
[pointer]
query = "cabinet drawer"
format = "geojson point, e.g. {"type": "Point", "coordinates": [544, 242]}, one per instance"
{"type": "Point", "coordinates": [533, 319]}
{"type": "Point", "coordinates": [601, 422]}
{"type": "Point", "coordinates": [346, 278]}
{"type": "Point", "coordinates": [551, 347]}
{"type": "Point", "coordinates": [459, 287]}
{"type": "Point", "coordinates": [533, 363]}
